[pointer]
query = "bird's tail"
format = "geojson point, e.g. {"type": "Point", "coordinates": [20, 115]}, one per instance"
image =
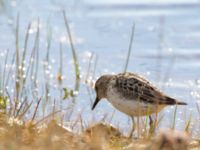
{"type": "Point", "coordinates": [173, 101]}
{"type": "Point", "coordinates": [181, 103]}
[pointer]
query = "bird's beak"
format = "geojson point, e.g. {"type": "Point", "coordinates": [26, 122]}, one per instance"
{"type": "Point", "coordinates": [95, 103]}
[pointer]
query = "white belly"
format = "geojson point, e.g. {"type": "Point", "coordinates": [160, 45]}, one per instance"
{"type": "Point", "coordinates": [132, 107]}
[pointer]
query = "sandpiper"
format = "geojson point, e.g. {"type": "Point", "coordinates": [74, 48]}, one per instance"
{"type": "Point", "coordinates": [132, 94]}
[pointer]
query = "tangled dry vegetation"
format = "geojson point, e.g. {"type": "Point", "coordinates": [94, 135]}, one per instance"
{"type": "Point", "coordinates": [15, 134]}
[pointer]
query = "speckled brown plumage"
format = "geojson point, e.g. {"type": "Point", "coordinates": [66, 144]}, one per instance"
{"type": "Point", "coordinates": [132, 94]}
{"type": "Point", "coordinates": [133, 87]}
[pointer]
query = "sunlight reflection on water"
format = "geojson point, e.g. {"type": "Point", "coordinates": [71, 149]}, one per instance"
{"type": "Point", "coordinates": [167, 39]}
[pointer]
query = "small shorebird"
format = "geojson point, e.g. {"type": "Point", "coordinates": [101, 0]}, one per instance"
{"type": "Point", "coordinates": [132, 95]}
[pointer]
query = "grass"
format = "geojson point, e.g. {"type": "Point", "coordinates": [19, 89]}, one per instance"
{"type": "Point", "coordinates": [98, 136]}
{"type": "Point", "coordinates": [75, 58]}
{"type": "Point", "coordinates": [130, 48]}
{"type": "Point", "coordinates": [23, 126]}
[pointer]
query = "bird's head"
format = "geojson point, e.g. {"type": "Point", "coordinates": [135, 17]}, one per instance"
{"type": "Point", "coordinates": [101, 87]}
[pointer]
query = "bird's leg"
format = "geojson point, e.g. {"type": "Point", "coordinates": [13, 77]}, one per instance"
{"type": "Point", "coordinates": [150, 121]}
{"type": "Point", "coordinates": [133, 127]}
{"type": "Point", "coordinates": [138, 127]}
{"type": "Point", "coordinates": [151, 125]}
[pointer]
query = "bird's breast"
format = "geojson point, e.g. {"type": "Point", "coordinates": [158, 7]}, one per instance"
{"type": "Point", "coordinates": [131, 107]}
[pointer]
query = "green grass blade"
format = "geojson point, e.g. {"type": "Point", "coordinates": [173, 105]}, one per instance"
{"type": "Point", "coordinates": [130, 48]}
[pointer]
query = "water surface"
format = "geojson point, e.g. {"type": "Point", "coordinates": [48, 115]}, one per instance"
{"type": "Point", "coordinates": [165, 49]}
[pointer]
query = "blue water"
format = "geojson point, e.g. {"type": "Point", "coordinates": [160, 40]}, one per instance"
{"type": "Point", "coordinates": [165, 49]}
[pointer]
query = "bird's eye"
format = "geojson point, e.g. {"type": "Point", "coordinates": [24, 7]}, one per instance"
{"type": "Point", "coordinates": [96, 88]}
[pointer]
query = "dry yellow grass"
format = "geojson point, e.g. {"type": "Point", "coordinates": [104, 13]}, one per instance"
{"type": "Point", "coordinates": [15, 134]}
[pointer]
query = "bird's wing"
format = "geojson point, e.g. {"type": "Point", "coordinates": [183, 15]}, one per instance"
{"type": "Point", "coordinates": [134, 87]}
